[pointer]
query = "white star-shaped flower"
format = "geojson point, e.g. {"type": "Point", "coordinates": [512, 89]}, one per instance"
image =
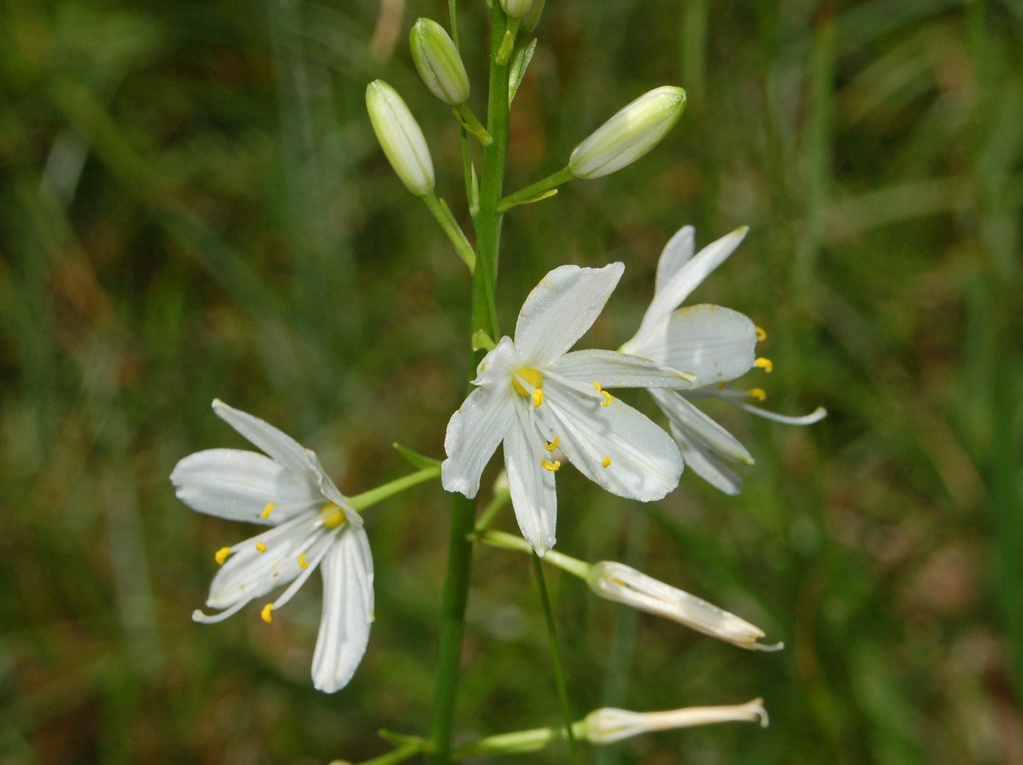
{"type": "Point", "coordinates": [546, 404]}
{"type": "Point", "coordinates": [313, 525]}
{"type": "Point", "coordinates": [716, 344]}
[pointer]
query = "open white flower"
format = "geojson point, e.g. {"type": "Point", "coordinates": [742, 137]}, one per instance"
{"type": "Point", "coordinates": [716, 344]}
{"type": "Point", "coordinates": [313, 525]}
{"type": "Point", "coordinates": [546, 404]}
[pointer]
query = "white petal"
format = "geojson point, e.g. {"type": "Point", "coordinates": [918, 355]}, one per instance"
{"type": "Point", "coordinates": [676, 253]}
{"type": "Point", "coordinates": [706, 464]}
{"type": "Point", "coordinates": [716, 344]}
{"type": "Point", "coordinates": [283, 448]}
{"type": "Point", "coordinates": [645, 462]}
{"type": "Point", "coordinates": [238, 485]}
{"type": "Point", "coordinates": [347, 611]}
{"type": "Point", "coordinates": [618, 370]}
{"type": "Point", "coordinates": [689, 276]}
{"type": "Point", "coordinates": [532, 486]}
{"type": "Point", "coordinates": [561, 308]}
{"type": "Point", "coordinates": [700, 428]}
{"type": "Point", "coordinates": [473, 433]}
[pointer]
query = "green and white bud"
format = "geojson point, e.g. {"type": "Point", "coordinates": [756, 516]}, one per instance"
{"type": "Point", "coordinates": [624, 584]}
{"type": "Point", "coordinates": [605, 726]}
{"type": "Point", "coordinates": [629, 134]}
{"type": "Point", "coordinates": [532, 19]}
{"type": "Point", "coordinates": [438, 62]}
{"type": "Point", "coordinates": [516, 9]}
{"type": "Point", "coordinates": [400, 137]}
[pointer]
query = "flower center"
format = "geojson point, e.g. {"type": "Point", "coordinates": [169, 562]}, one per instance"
{"type": "Point", "coordinates": [333, 516]}
{"type": "Point", "coordinates": [528, 383]}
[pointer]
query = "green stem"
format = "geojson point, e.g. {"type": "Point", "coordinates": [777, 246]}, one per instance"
{"type": "Point", "coordinates": [559, 667]}
{"type": "Point", "coordinates": [400, 754]}
{"type": "Point", "coordinates": [507, 541]}
{"type": "Point", "coordinates": [500, 499]}
{"type": "Point", "coordinates": [369, 498]}
{"type": "Point", "coordinates": [447, 221]}
{"type": "Point", "coordinates": [536, 191]}
{"type": "Point", "coordinates": [467, 119]}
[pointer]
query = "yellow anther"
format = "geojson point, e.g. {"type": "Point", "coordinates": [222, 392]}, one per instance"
{"type": "Point", "coordinates": [552, 466]}
{"type": "Point", "coordinates": [333, 516]}
{"type": "Point", "coordinates": [766, 364]}
{"type": "Point", "coordinates": [302, 562]}
{"type": "Point", "coordinates": [537, 396]}
{"type": "Point", "coordinates": [221, 555]}
{"type": "Point", "coordinates": [596, 386]}
{"type": "Point", "coordinates": [607, 399]}
{"type": "Point", "coordinates": [267, 510]}
{"type": "Point", "coordinates": [606, 462]}
{"type": "Point", "coordinates": [553, 444]}
{"type": "Point", "coordinates": [761, 334]}
{"type": "Point", "coordinates": [721, 385]}
{"type": "Point", "coordinates": [265, 613]}
{"type": "Point", "coordinates": [758, 393]}
{"type": "Point", "coordinates": [261, 546]}
{"type": "Point", "coordinates": [530, 377]}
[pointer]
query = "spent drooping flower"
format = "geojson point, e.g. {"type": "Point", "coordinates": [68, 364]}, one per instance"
{"type": "Point", "coordinates": [313, 525]}
{"type": "Point", "coordinates": [716, 344]}
{"type": "Point", "coordinates": [605, 726]}
{"type": "Point", "coordinates": [547, 404]}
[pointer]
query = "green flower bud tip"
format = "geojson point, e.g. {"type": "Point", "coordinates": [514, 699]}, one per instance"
{"type": "Point", "coordinates": [629, 134]}
{"type": "Point", "coordinates": [516, 9]}
{"type": "Point", "coordinates": [400, 137]}
{"type": "Point", "coordinates": [532, 19]}
{"type": "Point", "coordinates": [438, 62]}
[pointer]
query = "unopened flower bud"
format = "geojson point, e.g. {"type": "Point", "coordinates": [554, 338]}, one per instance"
{"type": "Point", "coordinates": [605, 726]}
{"type": "Point", "coordinates": [629, 134]}
{"type": "Point", "coordinates": [624, 584]}
{"type": "Point", "coordinates": [400, 137]}
{"type": "Point", "coordinates": [532, 19]}
{"type": "Point", "coordinates": [438, 62]}
{"type": "Point", "coordinates": [516, 9]}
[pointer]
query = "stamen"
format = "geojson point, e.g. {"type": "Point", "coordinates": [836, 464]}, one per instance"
{"type": "Point", "coordinates": [265, 613]}
{"type": "Point", "coordinates": [766, 364]}
{"type": "Point", "coordinates": [607, 399]}
{"type": "Point", "coordinates": [606, 462]}
{"type": "Point", "coordinates": [267, 510]}
{"type": "Point", "coordinates": [302, 561]}
{"type": "Point", "coordinates": [261, 546]}
{"type": "Point", "coordinates": [552, 445]}
{"type": "Point", "coordinates": [552, 466]}
{"type": "Point", "coordinates": [333, 516]}
{"type": "Point", "coordinates": [596, 386]}
{"type": "Point", "coordinates": [721, 385]}
{"type": "Point", "coordinates": [758, 393]}
{"type": "Point", "coordinates": [761, 334]}
{"type": "Point", "coordinates": [537, 397]}
{"type": "Point", "coordinates": [221, 555]}
{"type": "Point", "coordinates": [525, 380]}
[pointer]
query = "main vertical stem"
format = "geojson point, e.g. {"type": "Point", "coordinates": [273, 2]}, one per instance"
{"type": "Point", "coordinates": [463, 511]}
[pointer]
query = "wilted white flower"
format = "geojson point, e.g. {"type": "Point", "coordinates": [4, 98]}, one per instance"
{"type": "Point", "coordinates": [605, 726]}
{"type": "Point", "coordinates": [546, 404]}
{"type": "Point", "coordinates": [716, 344]}
{"type": "Point", "coordinates": [400, 137]}
{"type": "Point", "coordinates": [313, 525]}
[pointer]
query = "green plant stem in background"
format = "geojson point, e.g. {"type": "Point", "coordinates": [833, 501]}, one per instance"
{"type": "Point", "coordinates": [542, 189]}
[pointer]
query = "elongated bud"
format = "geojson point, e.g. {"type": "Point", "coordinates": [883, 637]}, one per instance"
{"type": "Point", "coordinates": [516, 9]}
{"type": "Point", "coordinates": [624, 584]}
{"type": "Point", "coordinates": [532, 19]}
{"type": "Point", "coordinates": [605, 726]}
{"type": "Point", "coordinates": [629, 134]}
{"type": "Point", "coordinates": [438, 62]}
{"type": "Point", "coordinates": [400, 137]}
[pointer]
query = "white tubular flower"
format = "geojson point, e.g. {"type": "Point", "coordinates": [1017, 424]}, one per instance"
{"type": "Point", "coordinates": [400, 137]}
{"type": "Point", "coordinates": [605, 726]}
{"type": "Point", "coordinates": [438, 62]}
{"type": "Point", "coordinates": [624, 584]}
{"type": "Point", "coordinates": [313, 524]}
{"type": "Point", "coordinates": [546, 404]}
{"type": "Point", "coordinates": [716, 344]}
{"type": "Point", "coordinates": [633, 131]}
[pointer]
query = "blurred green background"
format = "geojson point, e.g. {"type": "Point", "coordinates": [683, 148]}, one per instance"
{"type": "Point", "coordinates": [192, 205]}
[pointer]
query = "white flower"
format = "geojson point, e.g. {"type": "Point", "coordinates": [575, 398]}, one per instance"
{"type": "Point", "coordinates": [605, 726]}
{"type": "Point", "coordinates": [313, 524]}
{"type": "Point", "coordinates": [716, 344]}
{"type": "Point", "coordinates": [546, 404]}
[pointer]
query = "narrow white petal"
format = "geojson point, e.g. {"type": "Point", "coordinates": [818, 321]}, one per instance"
{"type": "Point", "coordinates": [689, 276]}
{"type": "Point", "coordinates": [618, 370]}
{"type": "Point", "coordinates": [706, 464]}
{"type": "Point", "coordinates": [815, 416]}
{"type": "Point", "coordinates": [676, 253]}
{"type": "Point", "coordinates": [645, 463]}
{"type": "Point", "coordinates": [561, 308]}
{"type": "Point", "coordinates": [239, 485]}
{"type": "Point", "coordinates": [532, 486]}
{"type": "Point", "coordinates": [283, 448]}
{"type": "Point", "coordinates": [700, 428]}
{"type": "Point", "coordinates": [473, 433]}
{"type": "Point", "coordinates": [347, 611]}
{"type": "Point", "coordinates": [715, 343]}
